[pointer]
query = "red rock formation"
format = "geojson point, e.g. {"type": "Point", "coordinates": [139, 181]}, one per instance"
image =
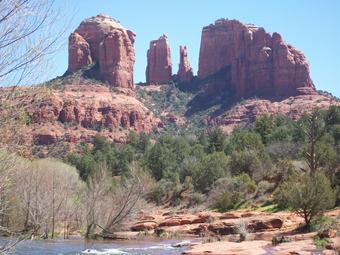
{"type": "Point", "coordinates": [159, 67]}
{"type": "Point", "coordinates": [108, 43]}
{"type": "Point", "coordinates": [185, 73]}
{"type": "Point", "coordinates": [260, 63]}
{"type": "Point", "coordinates": [78, 112]}
{"type": "Point", "coordinates": [292, 107]}
{"type": "Point", "coordinates": [79, 53]}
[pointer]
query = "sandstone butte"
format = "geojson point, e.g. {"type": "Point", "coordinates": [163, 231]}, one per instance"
{"type": "Point", "coordinates": [159, 67]}
{"type": "Point", "coordinates": [261, 64]}
{"type": "Point", "coordinates": [185, 73]}
{"type": "Point", "coordinates": [103, 41]}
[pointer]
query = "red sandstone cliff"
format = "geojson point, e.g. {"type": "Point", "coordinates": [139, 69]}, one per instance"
{"type": "Point", "coordinates": [185, 73]}
{"type": "Point", "coordinates": [159, 67]}
{"type": "Point", "coordinates": [62, 118]}
{"type": "Point", "coordinates": [260, 63]}
{"type": "Point", "coordinates": [103, 40]}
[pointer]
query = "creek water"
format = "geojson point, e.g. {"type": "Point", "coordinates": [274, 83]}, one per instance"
{"type": "Point", "coordinates": [80, 247]}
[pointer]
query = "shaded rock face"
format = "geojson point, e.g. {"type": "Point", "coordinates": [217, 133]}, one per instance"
{"type": "Point", "coordinates": [104, 41]}
{"type": "Point", "coordinates": [159, 67]}
{"type": "Point", "coordinates": [79, 53]}
{"type": "Point", "coordinates": [260, 64]}
{"type": "Point", "coordinates": [185, 73]}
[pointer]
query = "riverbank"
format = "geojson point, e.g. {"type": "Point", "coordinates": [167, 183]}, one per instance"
{"type": "Point", "coordinates": [238, 232]}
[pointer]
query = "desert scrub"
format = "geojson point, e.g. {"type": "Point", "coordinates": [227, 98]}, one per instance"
{"type": "Point", "coordinates": [231, 193]}
{"type": "Point", "coordinates": [320, 243]}
{"type": "Point", "coordinates": [323, 223]}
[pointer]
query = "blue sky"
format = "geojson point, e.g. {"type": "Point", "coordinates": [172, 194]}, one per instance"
{"type": "Point", "coordinates": [309, 25]}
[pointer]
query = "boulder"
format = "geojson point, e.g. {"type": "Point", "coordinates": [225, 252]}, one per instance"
{"type": "Point", "coordinates": [104, 41]}
{"type": "Point", "coordinates": [159, 67]}
{"type": "Point", "coordinates": [143, 226]}
{"type": "Point", "coordinates": [46, 136]}
{"type": "Point", "coordinates": [262, 225]}
{"type": "Point", "coordinates": [260, 64]}
{"type": "Point", "coordinates": [185, 73]}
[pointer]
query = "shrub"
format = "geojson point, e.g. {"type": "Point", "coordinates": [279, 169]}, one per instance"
{"type": "Point", "coordinates": [264, 187]}
{"type": "Point", "coordinates": [195, 199]}
{"type": "Point", "coordinates": [225, 202]}
{"type": "Point", "coordinates": [307, 195]}
{"type": "Point", "coordinates": [323, 223]}
{"type": "Point", "coordinates": [211, 168]}
{"type": "Point", "coordinates": [249, 162]}
{"type": "Point", "coordinates": [229, 193]}
{"type": "Point", "coordinates": [167, 190]}
{"type": "Point", "coordinates": [320, 242]}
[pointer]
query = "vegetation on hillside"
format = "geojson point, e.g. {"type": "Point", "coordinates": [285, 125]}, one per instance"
{"type": "Point", "coordinates": [227, 172]}
{"type": "Point", "coordinates": [298, 162]}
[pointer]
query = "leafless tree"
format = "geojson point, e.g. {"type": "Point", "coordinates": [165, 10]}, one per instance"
{"type": "Point", "coordinates": [96, 191]}
{"type": "Point", "coordinates": [109, 201]}
{"type": "Point", "coordinates": [46, 191]}
{"type": "Point", "coordinates": [28, 34]}
{"type": "Point", "coordinates": [125, 197]}
{"type": "Point", "coordinates": [9, 163]}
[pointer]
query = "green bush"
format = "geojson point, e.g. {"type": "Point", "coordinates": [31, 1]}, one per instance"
{"type": "Point", "coordinates": [307, 195]}
{"type": "Point", "coordinates": [320, 243]}
{"type": "Point", "coordinates": [251, 163]}
{"type": "Point", "coordinates": [163, 191]}
{"type": "Point", "coordinates": [322, 223]}
{"type": "Point", "coordinates": [210, 168]}
{"type": "Point", "coordinates": [229, 193]}
{"type": "Point", "coordinates": [225, 202]}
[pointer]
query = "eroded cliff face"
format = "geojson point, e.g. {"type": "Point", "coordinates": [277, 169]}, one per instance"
{"type": "Point", "coordinates": [76, 113]}
{"type": "Point", "coordinates": [260, 64]}
{"type": "Point", "coordinates": [185, 73]}
{"type": "Point", "coordinates": [104, 41]}
{"type": "Point", "coordinates": [159, 67]}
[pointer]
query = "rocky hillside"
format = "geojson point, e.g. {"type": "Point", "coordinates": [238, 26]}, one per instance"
{"type": "Point", "coordinates": [97, 93]}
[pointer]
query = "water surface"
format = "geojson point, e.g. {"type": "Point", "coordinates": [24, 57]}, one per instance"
{"type": "Point", "coordinates": [80, 247]}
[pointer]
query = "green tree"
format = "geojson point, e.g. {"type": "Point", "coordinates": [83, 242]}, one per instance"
{"type": "Point", "coordinates": [307, 195]}
{"type": "Point", "coordinates": [264, 126]}
{"type": "Point", "coordinates": [211, 168]}
{"type": "Point", "coordinates": [243, 140]}
{"type": "Point", "coordinates": [158, 160]}
{"type": "Point", "coordinates": [314, 129]}
{"type": "Point", "coordinates": [216, 141]}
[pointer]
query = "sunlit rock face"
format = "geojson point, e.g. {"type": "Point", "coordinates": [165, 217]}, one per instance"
{"type": "Point", "coordinates": [185, 73]}
{"type": "Point", "coordinates": [104, 41]}
{"type": "Point", "coordinates": [159, 67]}
{"type": "Point", "coordinates": [260, 64]}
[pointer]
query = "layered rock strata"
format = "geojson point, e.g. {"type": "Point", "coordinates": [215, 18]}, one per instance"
{"type": "Point", "coordinates": [261, 64]}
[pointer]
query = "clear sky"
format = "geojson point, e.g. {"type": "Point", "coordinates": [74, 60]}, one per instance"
{"type": "Point", "coordinates": [309, 25]}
